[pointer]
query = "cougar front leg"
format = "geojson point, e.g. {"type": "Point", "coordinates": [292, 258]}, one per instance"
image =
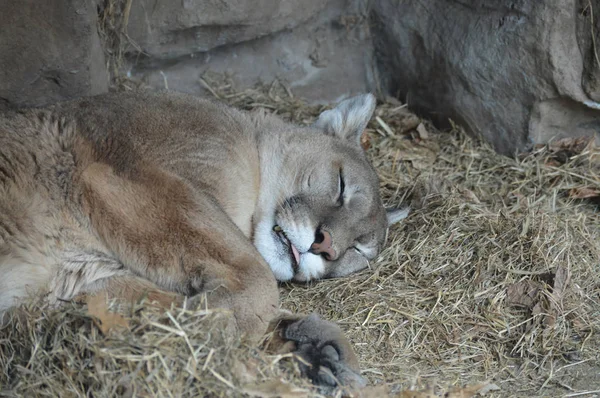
{"type": "Point", "coordinates": [181, 240]}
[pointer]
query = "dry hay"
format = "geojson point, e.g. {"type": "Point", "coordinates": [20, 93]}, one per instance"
{"type": "Point", "coordinates": [494, 277]}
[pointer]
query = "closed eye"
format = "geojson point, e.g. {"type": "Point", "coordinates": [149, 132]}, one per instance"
{"type": "Point", "coordinates": [341, 187]}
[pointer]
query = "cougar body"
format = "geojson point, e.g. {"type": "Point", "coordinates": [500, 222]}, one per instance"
{"type": "Point", "coordinates": [168, 195]}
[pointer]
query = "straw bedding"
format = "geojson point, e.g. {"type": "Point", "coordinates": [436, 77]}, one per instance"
{"type": "Point", "coordinates": [493, 281]}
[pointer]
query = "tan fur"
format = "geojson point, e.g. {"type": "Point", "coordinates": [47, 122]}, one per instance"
{"type": "Point", "coordinates": [163, 195]}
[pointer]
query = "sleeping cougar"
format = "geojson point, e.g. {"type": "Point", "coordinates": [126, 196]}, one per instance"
{"type": "Point", "coordinates": [165, 195]}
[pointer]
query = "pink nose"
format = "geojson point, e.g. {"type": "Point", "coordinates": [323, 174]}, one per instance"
{"type": "Point", "coordinates": [323, 245]}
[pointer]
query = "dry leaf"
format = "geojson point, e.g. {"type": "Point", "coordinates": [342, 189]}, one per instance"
{"type": "Point", "coordinates": [579, 324]}
{"type": "Point", "coordinates": [573, 146]}
{"type": "Point", "coordinates": [470, 196]}
{"type": "Point", "coordinates": [537, 309]}
{"type": "Point", "coordinates": [273, 388]}
{"type": "Point", "coordinates": [522, 293]}
{"type": "Point", "coordinates": [422, 130]}
{"type": "Point", "coordinates": [561, 280]}
{"type": "Point", "coordinates": [562, 150]}
{"type": "Point", "coordinates": [421, 155]}
{"type": "Point", "coordinates": [584, 193]}
{"type": "Point", "coordinates": [365, 141]}
{"type": "Point", "coordinates": [410, 122]}
{"type": "Point", "coordinates": [552, 162]}
{"type": "Point", "coordinates": [106, 320]}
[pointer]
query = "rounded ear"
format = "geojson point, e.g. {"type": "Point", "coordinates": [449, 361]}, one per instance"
{"type": "Point", "coordinates": [349, 118]}
{"type": "Point", "coordinates": [395, 215]}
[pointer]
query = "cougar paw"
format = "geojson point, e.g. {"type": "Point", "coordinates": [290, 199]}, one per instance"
{"type": "Point", "coordinates": [327, 357]}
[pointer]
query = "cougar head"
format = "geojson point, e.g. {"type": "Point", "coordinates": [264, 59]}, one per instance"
{"type": "Point", "coordinates": [328, 220]}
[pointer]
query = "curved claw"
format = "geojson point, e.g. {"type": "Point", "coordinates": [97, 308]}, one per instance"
{"type": "Point", "coordinates": [326, 369]}
{"type": "Point", "coordinates": [330, 360]}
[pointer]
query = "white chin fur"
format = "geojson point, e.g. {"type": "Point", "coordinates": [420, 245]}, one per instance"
{"type": "Point", "coordinates": [311, 267]}
{"type": "Point", "coordinates": [278, 256]}
{"type": "Point", "coordinates": [275, 253]}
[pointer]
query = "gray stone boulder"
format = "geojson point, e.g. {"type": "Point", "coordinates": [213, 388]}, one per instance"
{"type": "Point", "coordinates": [169, 29]}
{"type": "Point", "coordinates": [514, 71]}
{"type": "Point", "coordinates": [322, 50]}
{"type": "Point", "coordinates": [49, 51]}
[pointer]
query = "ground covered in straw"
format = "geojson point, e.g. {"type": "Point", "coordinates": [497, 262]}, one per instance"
{"type": "Point", "coordinates": [494, 278]}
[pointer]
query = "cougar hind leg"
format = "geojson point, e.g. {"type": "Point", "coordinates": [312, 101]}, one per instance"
{"type": "Point", "coordinates": [27, 261]}
{"type": "Point", "coordinates": [45, 250]}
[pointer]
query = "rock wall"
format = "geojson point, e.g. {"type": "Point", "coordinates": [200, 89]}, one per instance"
{"type": "Point", "coordinates": [514, 71]}
{"type": "Point", "coordinates": [321, 49]}
{"type": "Point", "coordinates": [170, 29]}
{"type": "Point", "coordinates": [49, 51]}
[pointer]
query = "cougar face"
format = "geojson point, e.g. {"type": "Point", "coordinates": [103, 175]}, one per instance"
{"type": "Point", "coordinates": [328, 220]}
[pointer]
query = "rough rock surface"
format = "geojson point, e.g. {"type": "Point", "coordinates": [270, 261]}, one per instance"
{"type": "Point", "coordinates": [49, 51]}
{"type": "Point", "coordinates": [588, 29]}
{"type": "Point", "coordinates": [168, 29]}
{"type": "Point", "coordinates": [322, 59]}
{"type": "Point", "coordinates": [515, 71]}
